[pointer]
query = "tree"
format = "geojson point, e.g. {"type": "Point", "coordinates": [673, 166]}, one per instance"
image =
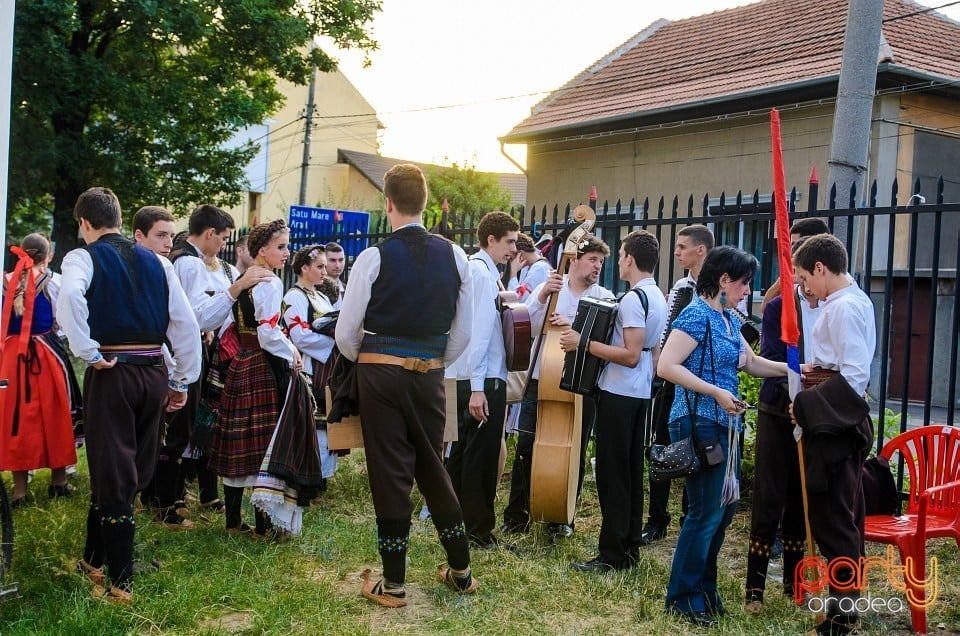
{"type": "Point", "coordinates": [466, 190]}
{"type": "Point", "coordinates": [141, 95]}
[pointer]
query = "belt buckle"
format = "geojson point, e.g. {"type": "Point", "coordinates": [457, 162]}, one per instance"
{"type": "Point", "coordinates": [417, 365]}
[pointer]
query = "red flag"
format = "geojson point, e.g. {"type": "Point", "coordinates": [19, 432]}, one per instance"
{"type": "Point", "coordinates": [789, 330]}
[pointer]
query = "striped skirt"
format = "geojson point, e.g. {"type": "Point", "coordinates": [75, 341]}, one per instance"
{"type": "Point", "coordinates": [248, 413]}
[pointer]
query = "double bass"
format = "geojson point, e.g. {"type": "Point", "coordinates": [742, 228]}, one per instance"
{"type": "Point", "coordinates": [555, 465]}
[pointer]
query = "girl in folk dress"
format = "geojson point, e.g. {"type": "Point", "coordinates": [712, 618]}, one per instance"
{"type": "Point", "coordinates": [306, 314]}
{"type": "Point", "coordinates": [256, 380]}
{"type": "Point", "coordinates": [37, 428]}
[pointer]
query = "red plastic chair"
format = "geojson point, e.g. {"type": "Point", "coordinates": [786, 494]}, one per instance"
{"type": "Point", "coordinates": [931, 459]}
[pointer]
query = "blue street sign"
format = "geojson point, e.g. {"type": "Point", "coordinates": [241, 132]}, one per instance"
{"type": "Point", "coordinates": [319, 225]}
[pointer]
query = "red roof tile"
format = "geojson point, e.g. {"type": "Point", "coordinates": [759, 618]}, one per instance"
{"type": "Point", "coordinates": [731, 53]}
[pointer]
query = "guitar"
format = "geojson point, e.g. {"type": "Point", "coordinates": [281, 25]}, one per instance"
{"type": "Point", "coordinates": [556, 448]}
{"type": "Point", "coordinates": [515, 321]}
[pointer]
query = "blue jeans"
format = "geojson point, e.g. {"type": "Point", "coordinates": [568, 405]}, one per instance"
{"type": "Point", "coordinates": [693, 575]}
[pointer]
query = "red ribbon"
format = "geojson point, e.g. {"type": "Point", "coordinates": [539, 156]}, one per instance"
{"type": "Point", "coordinates": [24, 262]}
{"type": "Point", "coordinates": [274, 319]}
{"type": "Point", "coordinates": [297, 321]}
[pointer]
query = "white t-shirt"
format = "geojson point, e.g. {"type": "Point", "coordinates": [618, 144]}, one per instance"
{"type": "Point", "coordinates": [636, 381]}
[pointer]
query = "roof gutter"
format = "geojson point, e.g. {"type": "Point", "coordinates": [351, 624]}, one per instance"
{"type": "Point", "coordinates": [503, 151]}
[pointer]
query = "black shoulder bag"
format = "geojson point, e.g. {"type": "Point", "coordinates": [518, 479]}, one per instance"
{"type": "Point", "coordinates": [683, 458]}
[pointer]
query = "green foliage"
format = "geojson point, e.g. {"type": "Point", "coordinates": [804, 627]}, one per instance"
{"type": "Point", "coordinates": [143, 96]}
{"type": "Point", "coordinates": [466, 190]}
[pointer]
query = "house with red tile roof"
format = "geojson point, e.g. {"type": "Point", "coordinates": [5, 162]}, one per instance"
{"type": "Point", "coordinates": [682, 107]}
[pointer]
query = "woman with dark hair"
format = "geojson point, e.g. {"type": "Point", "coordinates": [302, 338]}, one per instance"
{"type": "Point", "coordinates": [702, 356]}
{"type": "Point", "coordinates": [256, 380]}
{"type": "Point", "coordinates": [36, 429]}
{"type": "Point", "coordinates": [311, 320]}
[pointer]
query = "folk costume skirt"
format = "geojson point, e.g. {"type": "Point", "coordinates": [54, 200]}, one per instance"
{"type": "Point", "coordinates": [249, 409]}
{"type": "Point", "coordinates": [37, 427]}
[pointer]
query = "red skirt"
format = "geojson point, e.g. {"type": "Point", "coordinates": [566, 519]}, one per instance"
{"type": "Point", "coordinates": [37, 429]}
{"type": "Point", "coordinates": [249, 409]}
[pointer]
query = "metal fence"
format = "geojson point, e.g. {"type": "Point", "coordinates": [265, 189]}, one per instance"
{"type": "Point", "coordinates": [905, 256]}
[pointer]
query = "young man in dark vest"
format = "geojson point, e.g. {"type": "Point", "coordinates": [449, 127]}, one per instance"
{"type": "Point", "coordinates": [211, 292]}
{"type": "Point", "coordinates": [474, 465]}
{"type": "Point", "coordinates": [119, 302]}
{"type": "Point", "coordinates": [407, 313]}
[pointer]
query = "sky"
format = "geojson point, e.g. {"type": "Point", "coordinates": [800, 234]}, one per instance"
{"type": "Point", "coordinates": [453, 75]}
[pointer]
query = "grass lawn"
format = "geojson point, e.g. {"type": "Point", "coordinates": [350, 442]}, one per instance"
{"type": "Point", "coordinates": [211, 583]}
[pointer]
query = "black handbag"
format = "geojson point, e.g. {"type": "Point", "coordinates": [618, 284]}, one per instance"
{"type": "Point", "coordinates": [683, 458]}
{"type": "Point", "coordinates": [673, 461]}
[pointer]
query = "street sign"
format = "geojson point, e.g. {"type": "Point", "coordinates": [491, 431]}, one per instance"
{"type": "Point", "coordinates": [321, 225]}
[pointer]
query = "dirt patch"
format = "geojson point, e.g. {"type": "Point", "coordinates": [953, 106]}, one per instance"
{"type": "Point", "coordinates": [232, 623]}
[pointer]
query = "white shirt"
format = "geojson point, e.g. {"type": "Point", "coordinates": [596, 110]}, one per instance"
{"type": "Point", "coordinates": [364, 273]}
{"type": "Point", "coordinates": [845, 336]}
{"type": "Point", "coordinates": [635, 382]}
{"type": "Point", "coordinates": [487, 354]}
{"type": "Point", "coordinates": [567, 304]}
{"type": "Point", "coordinates": [267, 298]}
{"type": "Point", "coordinates": [206, 290]}
{"type": "Point", "coordinates": [808, 318]}
{"type": "Point", "coordinates": [530, 277]}
{"type": "Point", "coordinates": [73, 313]}
{"type": "Point", "coordinates": [312, 345]}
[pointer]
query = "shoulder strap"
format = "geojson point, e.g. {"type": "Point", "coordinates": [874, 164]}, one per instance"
{"type": "Point", "coordinates": [227, 271]}
{"type": "Point", "coordinates": [643, 299]}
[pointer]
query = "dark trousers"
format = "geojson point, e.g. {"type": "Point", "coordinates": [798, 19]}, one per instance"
{"type": "Point", "coordinates": [658, 514]}
{"type": "Point", "coordinates": [777, 503]}
{"type": "Point", "coordinates": [165, 487]}
{"type": "Point", "coordinates": [620, 476]}
{"type": "Point", "coordinates": [123, 414]}
{"type": "Point", "coordinates": [474, 459]}
{"type": "Point", "coordinates": [836, 520]}
{"type": "Point", "coordinates": [517, 512]}
{"type": "Point", "coordinates": [402, 415]}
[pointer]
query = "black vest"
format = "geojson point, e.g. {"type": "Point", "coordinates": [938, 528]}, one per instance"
{"type": "Point", "coordinates": [416, 292]}
{"type": "Point", "coordinates": [128, 296]}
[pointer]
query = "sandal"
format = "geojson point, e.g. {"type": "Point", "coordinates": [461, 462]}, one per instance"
{"type": "Point", "coordinates": [114, 595]}
{"type": "Point", "coordinates": [216, 505]}
{"type": "Point", "coordinates": [445, 574]}
{"type": "Point", "coordinates": [374, 591]}
{"type": "Point", "coordinates": [173, 520]}
{"type": "Point", "coordinates": [94, 575]}
{"type": "Point", "coordinates": [242, 530]}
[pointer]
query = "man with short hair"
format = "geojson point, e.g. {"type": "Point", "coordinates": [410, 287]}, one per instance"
{"type": "Point", "coordinates": [336, 262]}
{"type": "Point", "coordinates": [623, 401]}
{"type": "Point", "coordinates": [154, 229]}
{"type": "Point", "coordinates": [211, 292]}
{"type": "Point", "coordinates": [693, 243]}
{"type": "Point", "coordinates": [579, 282]}
{"type": "Point", "coordinates": [243, 259]}
{"type": "Point", "coordinates": [406, 315]}
{"type": "Point", "coordinates": [119, 302]}
{"type": "Point", "coordinates": [474, 459]}
{"type": "Point", "coordinates": [801, 228]}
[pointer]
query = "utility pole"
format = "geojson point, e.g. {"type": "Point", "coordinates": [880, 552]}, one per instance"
{"type": "Point", "coordinates": [305, 164]}
{"type": "Point", "coordinates": [850, 142]}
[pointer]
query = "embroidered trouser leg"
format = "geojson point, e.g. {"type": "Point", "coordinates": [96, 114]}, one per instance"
{"type": "Point", "coordinates": [402, 418]}
{"type": "Point", "coordinates": [777, 502]}
{"type": "Point", "coordinates": [117, 530]}
{"type": "Point", "coordinates": [393, 537]}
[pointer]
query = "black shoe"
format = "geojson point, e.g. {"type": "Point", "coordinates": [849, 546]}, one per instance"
{"type": "Point", "coordinates": [599, 566]}
{"type": "Point", "coordinates": [514, 528]}
{"type": "Point", "coordinates": [19, 502]}
{"type": "Point", "coordinates": [57, 491]}
{"type": "Point", "coordinates": [561, 530]}
{"type": "Point", "coordinates": [490, 542]}
{"type": "Point", "coordinates": [652, 532]}
{"type": "Point", "coordinates": [700, 619]}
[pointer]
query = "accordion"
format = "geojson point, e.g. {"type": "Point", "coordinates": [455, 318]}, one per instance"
{"type": "Point", "coordinates": [595, 319]}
